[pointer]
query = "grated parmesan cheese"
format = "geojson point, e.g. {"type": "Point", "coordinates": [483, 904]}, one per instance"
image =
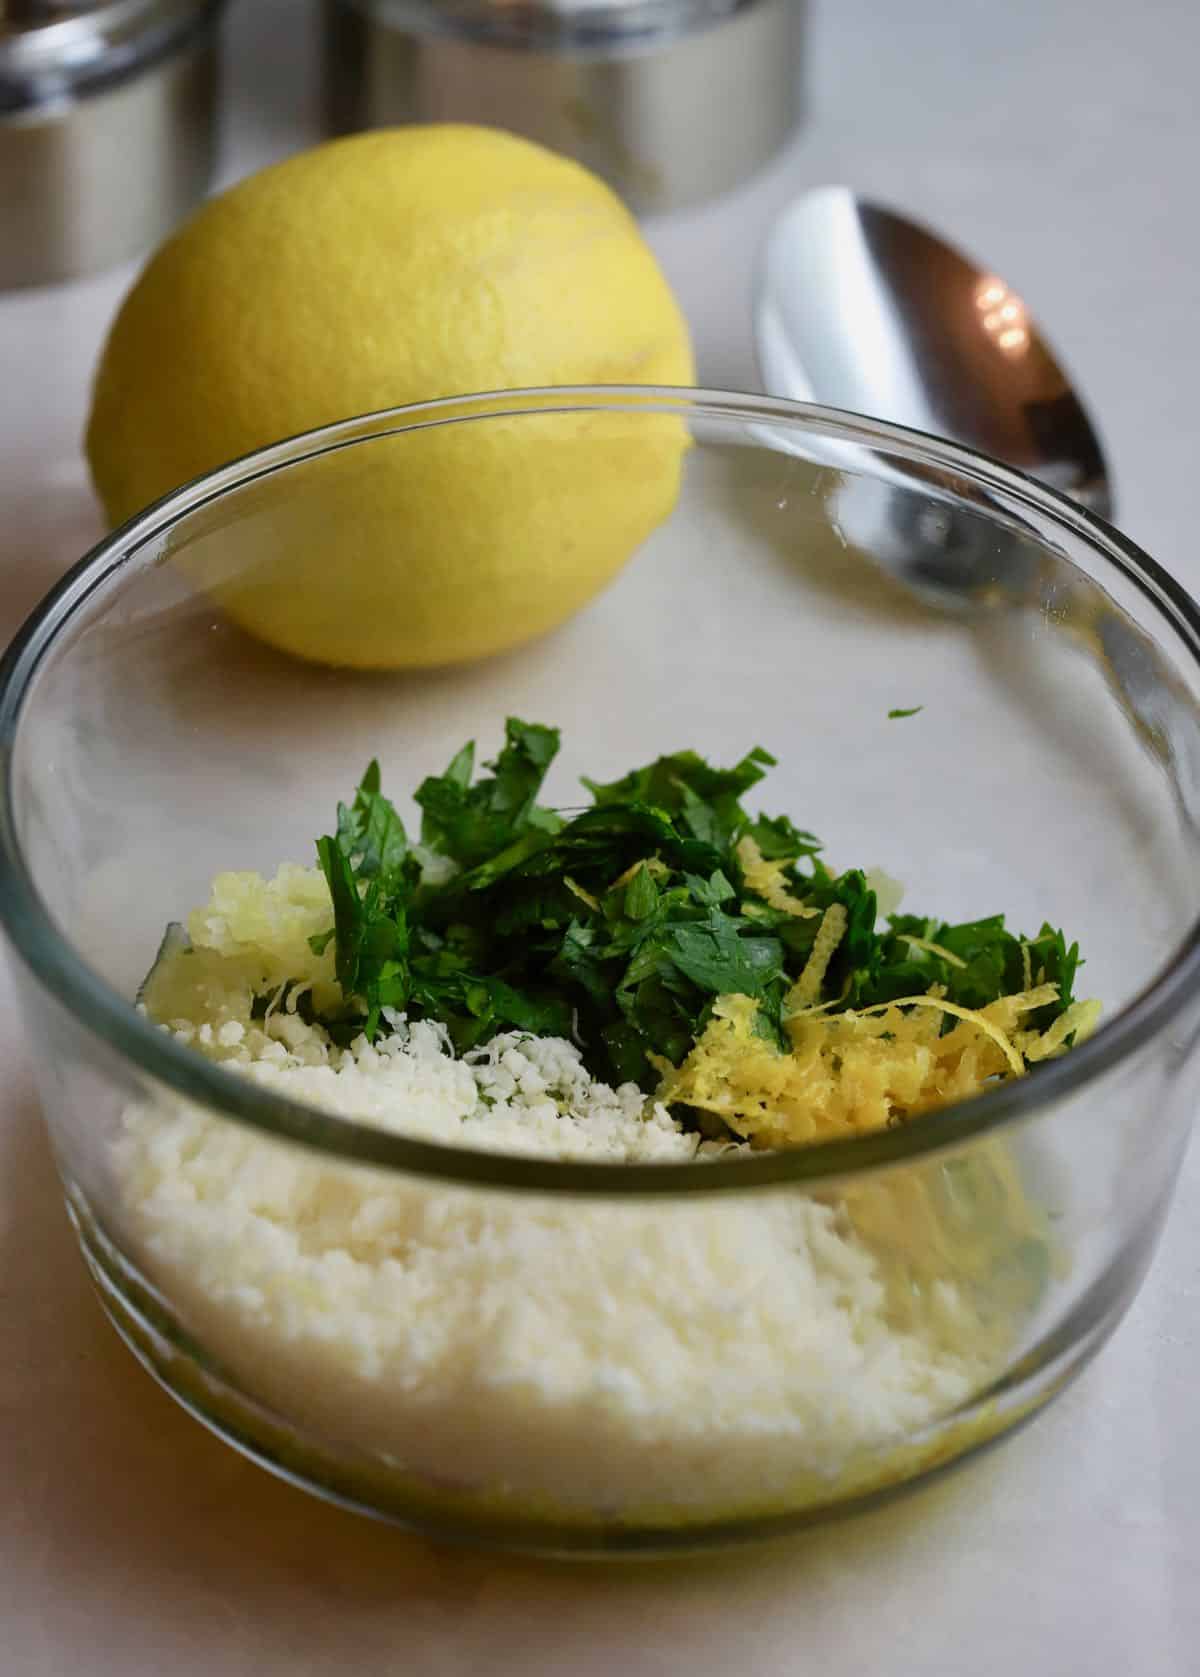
{"type": "Point", "coordinates": [650, 1359]}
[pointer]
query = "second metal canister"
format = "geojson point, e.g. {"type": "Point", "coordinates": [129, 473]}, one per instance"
{"type": "Point", "coordinates": [672, 101]}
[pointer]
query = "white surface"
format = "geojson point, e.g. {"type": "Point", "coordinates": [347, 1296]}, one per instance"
{"type": "Point", "coordinates": [1060, 140]}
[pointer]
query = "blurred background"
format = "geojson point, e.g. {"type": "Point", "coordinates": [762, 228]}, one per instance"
{"type": "Point", "coordinates": [1057, 138]}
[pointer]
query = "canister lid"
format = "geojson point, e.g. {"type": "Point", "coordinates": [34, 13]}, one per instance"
{"type": "Point", "coordinates": [672, 101]}
{"type": "Point", "coordinates": [107, 129]}
{"type": "Point", "coordinates": [52, 50]}
{"type": "Point", "coordinates": [547, 23]}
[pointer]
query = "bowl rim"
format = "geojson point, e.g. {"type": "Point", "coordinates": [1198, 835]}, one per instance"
{"type": "Point", "coordinates": [104, 1013]}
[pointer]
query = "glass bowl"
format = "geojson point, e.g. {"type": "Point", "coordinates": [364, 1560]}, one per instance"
{"type": "Point", "coordinates": [578, 1357]}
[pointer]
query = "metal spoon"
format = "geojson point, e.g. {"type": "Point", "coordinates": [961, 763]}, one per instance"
{"type": "Point", "coordinates": [859, 308]}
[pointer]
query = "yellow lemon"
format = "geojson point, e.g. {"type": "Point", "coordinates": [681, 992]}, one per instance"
{"type": "Point", "coordinates": [393, 267]}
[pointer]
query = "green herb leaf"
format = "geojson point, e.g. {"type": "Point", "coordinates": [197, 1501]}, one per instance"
{"type": "Point", "coordinates": [641, 894]}
{"type": "Point", "coordinates": [718, 958]}
{"type": "Point", "coordinates": [471, 823]}
{"type": "Point", "coordinates": [778, 840]}
{"type": "Point", "coordinates": [683, 785]}
{"type": "Point", "coordinates": [370, 833]}
{"type": "Point", "coordinates": [710, 892]}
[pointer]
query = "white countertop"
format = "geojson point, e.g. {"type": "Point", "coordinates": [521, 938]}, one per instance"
{"type": "Point", "coordinates": [1060, 138]}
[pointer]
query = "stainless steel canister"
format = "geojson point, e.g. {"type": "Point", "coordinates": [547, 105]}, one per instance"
{"type": "Point", "coordinates": [107, 119]}
{"type": "Point", "coordinates": [671, 101]}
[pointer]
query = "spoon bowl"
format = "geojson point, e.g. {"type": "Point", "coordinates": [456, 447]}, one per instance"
{"type": "Point", "coordinates": [860, 308]}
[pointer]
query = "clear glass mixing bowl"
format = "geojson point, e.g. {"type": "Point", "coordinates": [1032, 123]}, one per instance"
{"type": "Point", "coordinates": [618, 1357]}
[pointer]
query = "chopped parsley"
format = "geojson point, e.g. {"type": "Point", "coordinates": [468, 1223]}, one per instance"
{"type": "Point", "coordinates": [621, 924]}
